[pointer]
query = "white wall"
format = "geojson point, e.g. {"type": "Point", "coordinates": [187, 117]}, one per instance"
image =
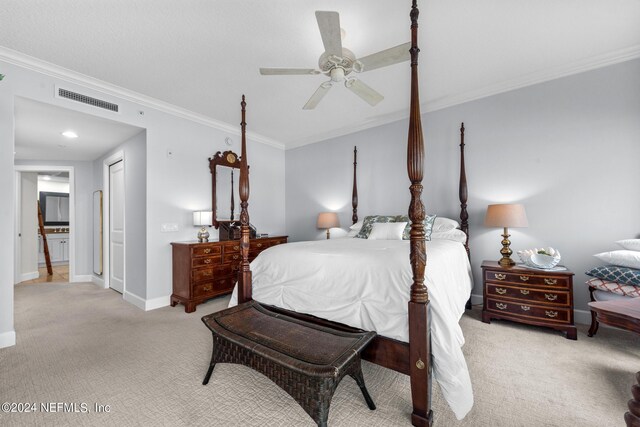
{"type": "Point", "coordinates": [568, 149]}
{"type": "Point", "coordinates": [52, 186]}
{"type": "Point", "coordinates": [135, 178]}
{"type": "Point", "coordinates": [28, 225]}
{"type": "Point", "coordinates": [176, 185]}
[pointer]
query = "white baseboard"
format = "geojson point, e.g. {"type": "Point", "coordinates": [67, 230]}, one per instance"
{"type": "Point", "coordinates": [29, 276]}
{"type": "Point", "coordinates": [582, 317]}
{"type": "Point", "coordinates": [98, 281]}
{"type": "Point", "coordinates": [146, 305]}
{"type": "Point", "coordinates": [7, 339]}
{"type": "Point", "coordinates": [82, 278]}
{"type": "Point", "coordinates": [152, 304]}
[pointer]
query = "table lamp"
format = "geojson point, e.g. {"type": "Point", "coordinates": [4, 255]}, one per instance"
{"type": "Point", "coordinates": [203, 219]}
{"type": "Point", "coordinates": [327, 220]}
{"type": "Point", "coordinates": [505, 216]}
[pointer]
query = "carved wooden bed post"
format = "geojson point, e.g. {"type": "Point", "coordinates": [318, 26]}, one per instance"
{"type": "Point", "coordinates": [354, 193]}
{"type": "Point", "coordinates": [463, 194]}
{"type": "Point", "coordinates": [632, 417]}
{"type": "Point", "coordinates": [419, 352]}
{"type": "Point", "coordinates": [244, 274]}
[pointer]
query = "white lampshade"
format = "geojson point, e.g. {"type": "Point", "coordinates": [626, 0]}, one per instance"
{"type": "Point", "coordinates": [328, 220]}
{"type": "Point", "coordinates": [202, 218]}
{"type": "Point", "coordinates": [506, 215]}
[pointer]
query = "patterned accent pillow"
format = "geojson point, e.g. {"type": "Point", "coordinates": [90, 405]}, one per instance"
{"type": "Point", "coordinates": [622, 275]}
{"type": "Point", "coordinates": [367, 224]}
{"type": "Point", "coordinates": [615, 287]}
{"type": "Point", "coordinates": [428, 226]}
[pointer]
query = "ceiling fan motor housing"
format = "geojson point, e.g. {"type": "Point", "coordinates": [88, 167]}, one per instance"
{"type": "Point", "coordinates": [327, 62]}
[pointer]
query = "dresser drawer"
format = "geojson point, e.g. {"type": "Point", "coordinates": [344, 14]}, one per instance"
{"type": "Point", "coordinates": [232, 258]}
{"type": "Point", "coordinates": [232, 247]}
{"type": "Point", "coordinates": [548, 314]}
{"type": "Point", "coordinates": [201, 274]}
{"type": "Point", "coordinates": [205, 261]}
{"type": "Point", "coordinates": [206, 250]}
{"type": "Point", "coordinates": [259, 245]}
{"type": "Point", "coordinates": [528, 279]}
{"type": "Point", "coordinates": [521, 293]}
{"type": "Point", "coordinates": [277, 242]}
{"type": "Point", "coordinates": [213, 287]}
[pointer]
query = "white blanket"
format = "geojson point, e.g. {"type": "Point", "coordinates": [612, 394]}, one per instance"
{"type": "Point", "coordinates": [366, 284]}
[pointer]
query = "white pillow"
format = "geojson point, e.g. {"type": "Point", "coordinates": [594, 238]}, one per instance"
{"type": "Point", "coordinates": [623, 258]}
{"type": "Point", "coordinates": [357, 225]}
{"type": "Point", "coordinates": [630, 244]}
{"type": "Point", "coordinates": [387, 230]}
{"type": "Point", "coordinates": [353, 233]}
{"type": "Point", "coordinates": [444, 224]}
{"type": "Point", "coordinates": [455, 235]}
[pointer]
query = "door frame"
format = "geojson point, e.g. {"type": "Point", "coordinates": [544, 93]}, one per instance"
{"type": "Point", "coordinates": [106, 205]}
{"type": "Point", "coordinates": [72, 217]}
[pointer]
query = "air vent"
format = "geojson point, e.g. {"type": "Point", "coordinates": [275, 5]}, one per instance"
{"type": "Point", "coordinates": [78, 97]}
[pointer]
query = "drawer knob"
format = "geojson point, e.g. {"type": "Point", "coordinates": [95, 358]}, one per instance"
{"type": "Point", "coordinates": [551, 313]}
{"type": "Point", "coordinates": [500, 276]}
{"type": "Point", "coordinates": [525, 307]}
{"type": "Point", "coordinates": [207, 261]}
{"type": "Point", "coordinates": [501, 306]}
{"type": "Point", "coordinates": [236, 248]}
{"type": "Point", "coordinates": [524, 278]}
{"type": "Point", "coordinates": [551, 297]}
{"type": "Point", "coordinates": [259, 245]}
{"type": "Point", "coordinates": [235, 257]}
{"type": "Point", "coordinates": [208, 250]}
{"type": "Point", "coordinates": [524, 291]}
{"type": "Point", "coordinates": [501, 291]}
{"type": "Point", "coordinates": [207, 288]}
{"type": "Point", "coordinates": [208, 273]}
{"type": "Point", "coordinates": [551, 281]}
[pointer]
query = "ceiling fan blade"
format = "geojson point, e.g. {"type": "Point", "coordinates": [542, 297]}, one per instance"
{"type": "Point", "coordinates": [363, 91]}
{"type": "Point", "coordinates": [317, 96]}
{"type": "Point", "coordinates": [287, 71]}
{"type": "Point", "coordinates": [329, 24]}
{"type": "Point", "coordinates": [386, 57]}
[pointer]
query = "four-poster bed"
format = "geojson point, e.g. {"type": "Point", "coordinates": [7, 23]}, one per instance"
{"type": "Point", "coordinates": [413, 356]}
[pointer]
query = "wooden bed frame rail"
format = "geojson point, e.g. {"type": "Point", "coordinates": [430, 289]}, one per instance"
{"type": "Point", "coordinates": [414, 358]}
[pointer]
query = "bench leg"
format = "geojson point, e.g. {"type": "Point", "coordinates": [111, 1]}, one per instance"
{"type": "Point", "coordinates": [594, 324]}
{"type": "Point", "coordinates": [208, 376]}
{"type": "Point", "coordinates": [360, 381]}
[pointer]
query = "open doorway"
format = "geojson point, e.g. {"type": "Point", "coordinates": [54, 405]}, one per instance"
{"type": "Point", "coordinates": [54, 145]}
{"type": "Point", "coordinates": [44, 224]}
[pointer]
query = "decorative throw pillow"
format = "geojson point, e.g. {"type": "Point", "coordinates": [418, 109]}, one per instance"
{"type": "Point", "coordinates": [623, 258]}
{"type": "Point", "coordinates": [368, 222]}
{"type": "Point", "coordinates": [442, 224]}
{"type": "Point", "coordinates": [428, 226]}
{"type": "Point", "coordinates": [630, 244]}
{"type": "Point", "coordinates": [390, 231]}
{"type": "Point", "coordinates": [623, 275]}
{"type": "Point", "coordinates": [615, 287]}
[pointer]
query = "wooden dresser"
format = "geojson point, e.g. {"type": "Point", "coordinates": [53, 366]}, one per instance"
{"type": "Point", "coordinates": [528, 296]}
{"type": "Point", "coordinates": [205, 270]}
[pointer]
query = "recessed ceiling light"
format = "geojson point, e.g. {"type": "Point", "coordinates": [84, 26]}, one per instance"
{"type": "Point", "coordinates": [46, 178]}
{"type": "Point", "coordinates": [70, 134]}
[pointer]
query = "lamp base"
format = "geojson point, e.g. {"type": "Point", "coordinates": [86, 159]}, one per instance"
{"type": "Point", "coordinates": [506, 251]}
{"type": "Point", "coordinates": [328, 235]}
{"type": "Point", "coordinates": [203, 235]}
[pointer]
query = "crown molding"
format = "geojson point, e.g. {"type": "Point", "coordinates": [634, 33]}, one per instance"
{"type": "Point", "coordinates": [541, 76]}
{"type": "Point", "coordinates": [29, 62]}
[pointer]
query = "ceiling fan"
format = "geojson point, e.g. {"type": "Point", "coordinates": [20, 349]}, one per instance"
{"type": "Point", "coordinates": [338, 63]}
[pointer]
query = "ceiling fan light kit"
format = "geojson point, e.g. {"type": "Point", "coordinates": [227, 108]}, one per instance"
{"type": "Point", "coordinates": [338, 63]}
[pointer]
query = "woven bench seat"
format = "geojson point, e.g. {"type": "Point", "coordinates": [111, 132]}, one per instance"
{"type": "Point", "coordinates": [307, 361]}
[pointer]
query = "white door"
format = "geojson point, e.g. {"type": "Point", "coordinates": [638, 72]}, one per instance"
{"type": "Point", "coordinates": [116, 226]}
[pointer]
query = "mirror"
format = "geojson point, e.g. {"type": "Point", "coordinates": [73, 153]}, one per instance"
{"type": "Point", "coordinates": [97, 232]}
{"type": "Point", "coordinates": [55, 208]}
{"type": "Point", "coordinates": [225, 174]}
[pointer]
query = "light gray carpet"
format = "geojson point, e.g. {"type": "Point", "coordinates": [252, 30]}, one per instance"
{"type": "Point", "coordinates": [78, 343]}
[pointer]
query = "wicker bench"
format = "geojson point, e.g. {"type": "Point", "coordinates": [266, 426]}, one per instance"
{"type": "Point", "coordinates": [307, 361]}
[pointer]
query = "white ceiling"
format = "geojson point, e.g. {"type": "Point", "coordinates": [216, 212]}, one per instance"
{"type": "Point", "coordinates": [39, 127]}
{"type": "Point", "coordinates": [202, 55]}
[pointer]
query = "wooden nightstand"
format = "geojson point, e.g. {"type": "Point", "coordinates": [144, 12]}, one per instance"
{"type": "Point", "coordinates": [529, 296]}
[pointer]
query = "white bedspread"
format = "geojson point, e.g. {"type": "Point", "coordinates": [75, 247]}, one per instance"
{"type": "Point", "coordinates": [365, 284]}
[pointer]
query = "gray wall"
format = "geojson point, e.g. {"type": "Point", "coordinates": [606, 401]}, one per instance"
{"type": "Point", "coordinates": [135, 178]}
{"type": "Point", "coordinates": [567, 149]}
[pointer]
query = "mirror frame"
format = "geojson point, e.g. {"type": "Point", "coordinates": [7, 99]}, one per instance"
{"type": "Point", "coordinates": [227, 159]}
